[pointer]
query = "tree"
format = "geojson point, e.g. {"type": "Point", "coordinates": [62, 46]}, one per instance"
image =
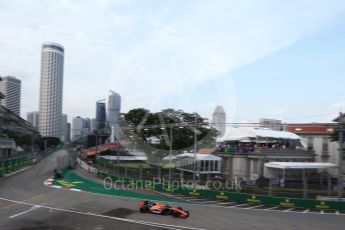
{"type": "Point", "coordinates": [140, 124]}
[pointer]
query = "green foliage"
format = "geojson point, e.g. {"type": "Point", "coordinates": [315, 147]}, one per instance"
{"type": "Point", "coordinates": [141, 124]}
{"type": "Point", "coordinates": [22, 140]}
{"type": "Point", "coordinates": [335, 135]}
{"type": "Point", "coordinates": [51, 141]}
{"type": "Point", "coordinates": [26, 140]}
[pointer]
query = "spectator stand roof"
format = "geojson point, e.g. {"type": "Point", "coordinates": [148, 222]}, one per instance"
{"type": "Point", "coordinates": [251, 134]}
{"type": "Point", "coordinates": [299, 165]}
{"type": "Point", "coordinates": [199, 156]}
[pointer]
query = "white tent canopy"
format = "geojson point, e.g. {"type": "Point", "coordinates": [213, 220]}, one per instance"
{"type": "Point", "coordinates": [299, 165]}
{"type": "Point", "coordinates": [248, 134]}
{"type": "Point", "coordinates": [199, 156]}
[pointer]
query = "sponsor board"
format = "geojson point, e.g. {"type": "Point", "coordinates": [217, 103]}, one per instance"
{"type": "Point", "coordinates": [222, 196]}
{"type": "Point", "coordinates": [194, 193]}
{"type": "Point", "coordinates": [253, 200]}
{"type": "Point", "coordinates": [287, 204]}
{"type": "Point", "coordinates": [322, 205]}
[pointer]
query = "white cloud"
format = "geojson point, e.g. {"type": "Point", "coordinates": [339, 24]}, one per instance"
{"type": "Point", "coordinates": [150, 53]}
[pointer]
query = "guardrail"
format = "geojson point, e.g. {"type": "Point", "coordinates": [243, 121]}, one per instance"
{"type": "Point", "coordinates": [233, 196]}
{"type": "Point", "coordinates": [12, 165]}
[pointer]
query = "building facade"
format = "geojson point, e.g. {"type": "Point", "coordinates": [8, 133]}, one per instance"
{"type": "Point", "coordinates": [246, 150]}
{"type": "Point", "coordinates": [114, 107]}
{"type": "Point", "coordinates": [77, 127]}
{"type": "Point", "coordinates": [33, 118]}
{"type": "Point", "coordinates": [316, 137]}
{"type": "Point", "coordinates": [100, 116]}
{"type": "Point", "coordinates": [51, 90]}
{"type": "Point", "coordinates": [11, 88]}
{"type": "Point", "coordinates": [250, 165]}
{"type": "Point", "coordinates": [64, 128]}
{"type": "Point", "coordinates": [272, 124]}
{"type": "Point", "coordinates": [219, 119]}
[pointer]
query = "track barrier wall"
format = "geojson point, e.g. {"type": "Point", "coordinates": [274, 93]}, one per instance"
{"type": "Point", "coordinates": [234, 196]}
{"type": "Point", "coordinates": [13, 165]}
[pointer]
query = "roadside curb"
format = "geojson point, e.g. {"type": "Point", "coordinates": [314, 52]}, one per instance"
{"type": "Point", "coordinates": [49, 183]}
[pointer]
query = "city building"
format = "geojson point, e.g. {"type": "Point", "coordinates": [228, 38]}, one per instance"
{"type": "Point", "coordinates": [64, 127]}
{"type": "Point", "coordinates": [273, 124]}
{"type": "Point", "coordinates": [33, 118]}
{"type": "Point", "coordinates": [219, 119]}
{"type": "Point", "coordinates": [206, 165]}
{"type": "Point", "coordinates": [77, 127]}
{"type": "Point", "coordinates": [68, 132]}
{"type": "Point", "coordinates": [9, 121]}
{"type": "Point", "coordinates": [51, 90]}
{"type": "Point", "coordinates": [114, 107]}
{"type": "Point", "coordinates": [11, 88]}
{"type": "Point", "coordinates": [93, 125]}
{"type": "Point", "coordinates": [100, 116]}
{"type": "Point", "coordinates": [244, 151]}
{"type": "Point", "coordinates": [87, 124]}
{"type": "Point", "coordinates": [316, 137]}
{"type": "Point", "coordinates": [2, 96]}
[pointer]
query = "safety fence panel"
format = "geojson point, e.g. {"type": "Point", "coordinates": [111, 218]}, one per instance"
{"type": "Point", "coordinates": [12, 165]}
{"type": "Point", "coordinates": [233, 196]}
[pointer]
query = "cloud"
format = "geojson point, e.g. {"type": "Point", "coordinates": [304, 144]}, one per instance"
{"type": "Point", "coordinates": [150, 52]}
{"type": "Point", "coordinates": [339, 104]}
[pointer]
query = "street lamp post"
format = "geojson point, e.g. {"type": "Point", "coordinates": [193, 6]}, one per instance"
{"type": "Point", "coordinates": [195, 149]}
{"type": "Point", "coordinates": [170, 152]}
{"type": "Point", "coordinates": [340, 158]}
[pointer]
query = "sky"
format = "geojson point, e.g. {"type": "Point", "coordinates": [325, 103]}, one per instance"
{"type": "Point", "coordinates": [264, 58]}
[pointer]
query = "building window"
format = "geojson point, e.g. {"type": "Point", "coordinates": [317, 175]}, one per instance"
{"type": "Point", "coordinates": [310, 143]}
{"type": "Point", "coordinates": [255, 166]}
{"type": "Point", "coordinates": [325, 144]}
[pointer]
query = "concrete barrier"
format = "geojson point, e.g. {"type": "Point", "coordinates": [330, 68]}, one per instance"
{"type": "Point", "coordinates": [238, 197]}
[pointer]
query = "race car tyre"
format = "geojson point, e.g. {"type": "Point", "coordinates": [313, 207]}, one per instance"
{"type": "Point", "coordinates": [176, 215]}
{"type": "Point", "coordinates": [165, 212]}
{"type": "Point", "coordinates": [143, 210]}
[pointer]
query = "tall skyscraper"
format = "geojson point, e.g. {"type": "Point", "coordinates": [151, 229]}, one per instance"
{"type": "Point", "coordinates": [77, 127]}
{"type": "Point", "coordinates": [87, 124]}
{"type": "Point", "coordinates": [11, 87]}
{"type": "Point", "coordinates": [273, 124]}
{"type": "Point", "coordinates": [68, 132]}
{"type": "Point", "coordinates": [219, 119]}
{"type": "Point", "coordinates": [51, 89]}
{"type": "Point", "coordinates": [33, 118]}
{"type": "Point", "coordinates": [114, 107]}
{"type": "Point", "coordinates": [100, 116]}
{"type": "Point", "coordinates": [64, 127]}
{"type": "Point", "coordinates": [93, 125]}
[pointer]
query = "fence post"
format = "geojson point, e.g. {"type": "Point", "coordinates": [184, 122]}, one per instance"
{"type": "Point", "coordinates": [270, 187]}
{"type": "Point", "coordinates": [140, 172]}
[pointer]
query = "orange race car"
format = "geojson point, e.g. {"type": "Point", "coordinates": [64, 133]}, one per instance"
{"type": "Point", "coordinates": [163, 209]}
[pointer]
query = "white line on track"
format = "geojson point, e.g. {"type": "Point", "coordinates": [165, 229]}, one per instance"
{"type": "Point", "coordinates": [192, 199]}
{"type": "Point", "coordinates": [257, 206]}
{"type": "Point", "coordinates": [272, 209]}
{"type": "Point", "coordinates": [209, 201]}
{"type": "Point", "coordinates": [166, 226]}
{"type": "Point", "coordinates": [240, 205]}
{"type": "Point", "coordinates": [21, 213]}
{"type": "Point", "coordinates": [288, 210]}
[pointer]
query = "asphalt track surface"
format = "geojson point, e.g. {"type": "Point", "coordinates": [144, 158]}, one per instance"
{"type": "Point", "coordinates": [26, 203]}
